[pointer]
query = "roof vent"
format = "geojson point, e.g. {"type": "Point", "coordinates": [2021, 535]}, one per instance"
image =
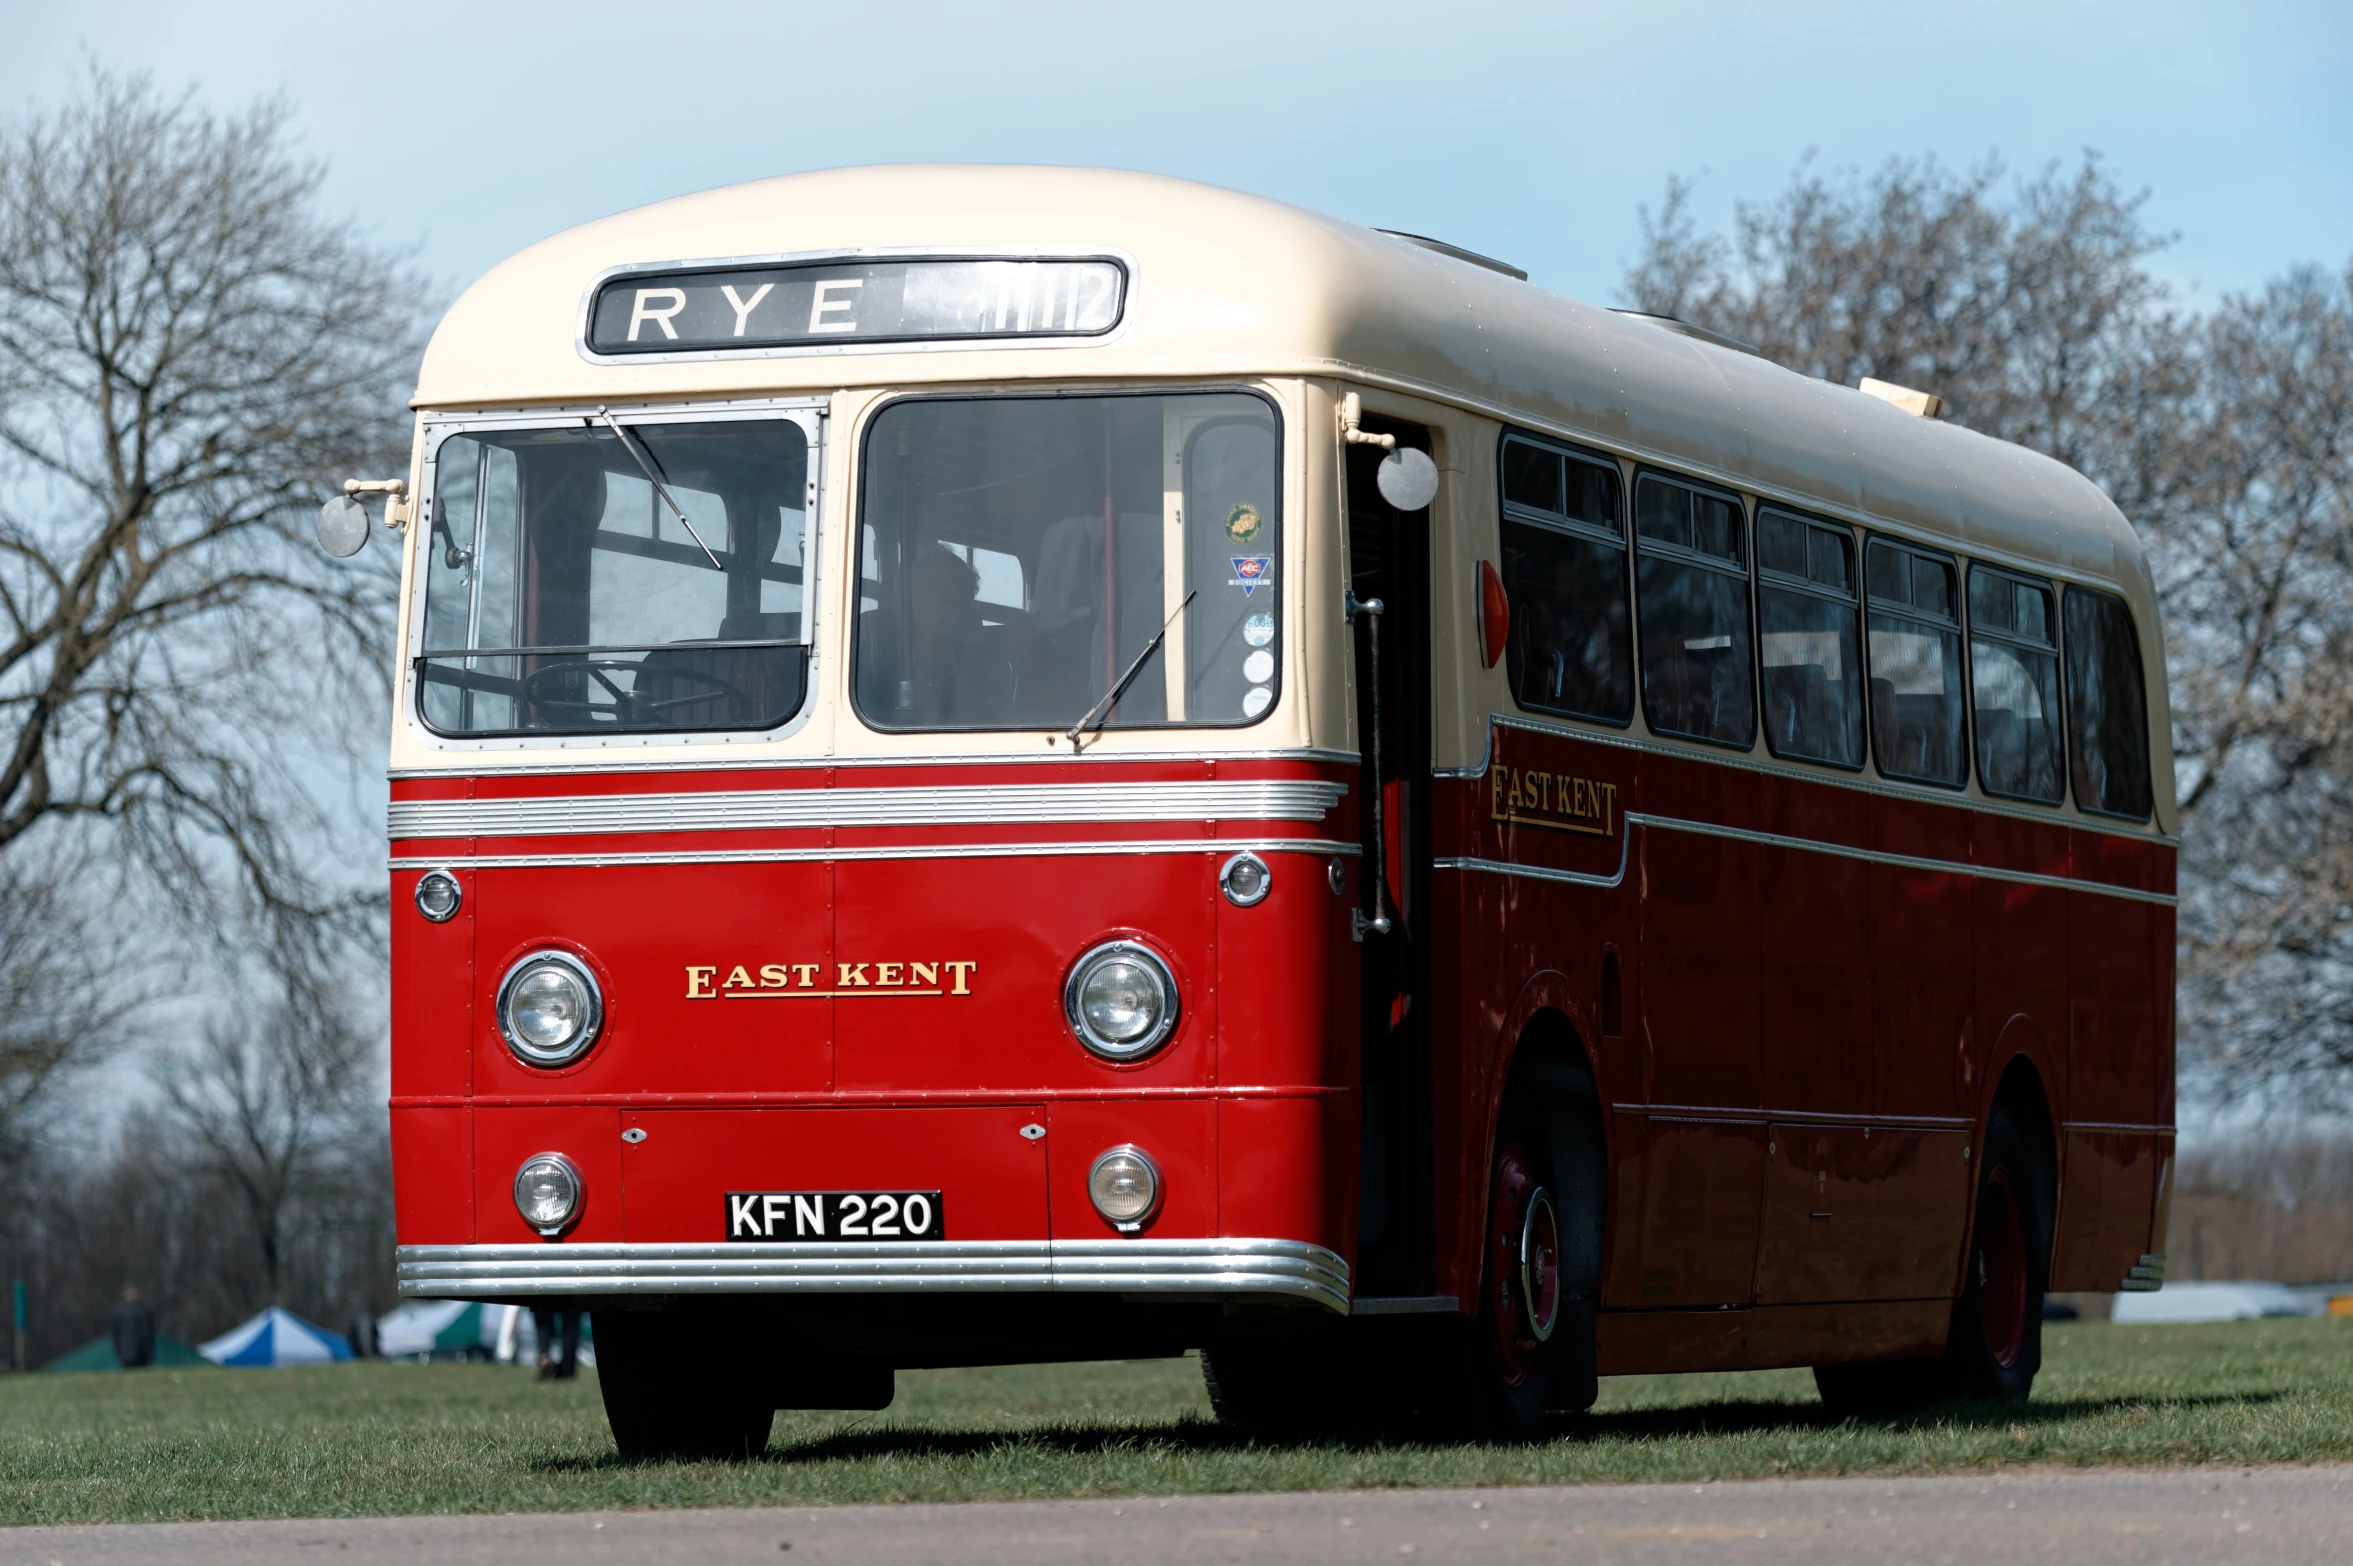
{"type": "Point", "coordinates": [1683, 328]}
{"type": "Point", "coordinates": [1456, 251]}
{"type": "Point", "coordinates": [1919, 404]}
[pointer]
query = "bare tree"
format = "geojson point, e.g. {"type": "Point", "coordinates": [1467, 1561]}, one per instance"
{"type": "Point", "coordinates": [2229, 440]}
{"type": "Point", "coordinates": [278, 1107]}
{"type": "Point", "coordinates": [189, 357]}
{"type": "Point", "coordinates": [65, 994]}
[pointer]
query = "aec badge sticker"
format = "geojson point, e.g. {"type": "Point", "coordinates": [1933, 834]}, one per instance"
{"type": "Point", "coordinates": [1251, 572]}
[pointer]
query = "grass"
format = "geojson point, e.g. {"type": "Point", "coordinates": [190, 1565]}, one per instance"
{"type": "Point", "coordinates": [382, 1439]}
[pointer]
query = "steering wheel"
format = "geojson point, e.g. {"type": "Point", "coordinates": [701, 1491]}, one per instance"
{"type": "Point", "coordinates": [628, 707]}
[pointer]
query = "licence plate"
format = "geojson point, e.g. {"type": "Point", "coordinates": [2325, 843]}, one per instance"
{"type": "Point", "coordinates": [834, 1215]}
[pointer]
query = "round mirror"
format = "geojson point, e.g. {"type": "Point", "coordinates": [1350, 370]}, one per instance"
{"type": "Point", "coordinates": [1408, 479]}
{"type": "Point", "coordinates": [343, 527]}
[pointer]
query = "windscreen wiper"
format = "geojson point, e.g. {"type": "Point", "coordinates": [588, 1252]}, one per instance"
{"type": "Point", "coordinates": [647, 469]}
{"type": "Point", "coordinates": [1100, 713]}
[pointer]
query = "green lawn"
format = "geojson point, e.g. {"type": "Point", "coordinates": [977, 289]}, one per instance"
{"type": "Point", "coordinates": [352, 1439]}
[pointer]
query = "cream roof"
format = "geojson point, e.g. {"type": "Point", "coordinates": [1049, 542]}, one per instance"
{"type": "Point", "coordinates": [1230, 284]}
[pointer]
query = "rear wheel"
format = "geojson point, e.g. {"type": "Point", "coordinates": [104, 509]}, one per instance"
{"type": "Point", "coordinates": [1995, 1344]}
{"type": "Point", "coordinates": [669, 1395]}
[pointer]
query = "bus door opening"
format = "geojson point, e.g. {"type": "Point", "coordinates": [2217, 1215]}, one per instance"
{"type": "Point", "coordinates": [1389, 561]}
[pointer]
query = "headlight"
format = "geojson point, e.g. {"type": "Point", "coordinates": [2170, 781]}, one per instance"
{"type": "Point", "coordinates": [1124, 1185]}
{"type": "Point", "coordinates": [549, 1008]}
{"type": "Point", "coordinates": [1121, 1001]}
{"type": "Point", "coordinates": [547, 1193]}
{"type": "Point", "coordinates": [438, 896]}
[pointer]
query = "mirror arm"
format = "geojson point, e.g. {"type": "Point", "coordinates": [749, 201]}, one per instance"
{"type": "Point", "coordinates": [396, 508]}
{"type": "Point", "coordinates": [1352, 415]}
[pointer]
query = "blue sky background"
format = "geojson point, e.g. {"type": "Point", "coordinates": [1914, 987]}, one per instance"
{"type": "Point", "coordinates": [1530, 132]}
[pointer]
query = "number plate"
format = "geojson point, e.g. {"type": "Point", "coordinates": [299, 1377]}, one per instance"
{"type": "Point", "coordinates": [834, 1215]}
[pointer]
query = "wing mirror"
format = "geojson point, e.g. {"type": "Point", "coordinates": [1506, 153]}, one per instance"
{"type": "Point", "coordinates": [343, 521]}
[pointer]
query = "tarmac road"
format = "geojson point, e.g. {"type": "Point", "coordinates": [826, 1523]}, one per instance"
{"type": "Point", "coordinates": [2200, 1516]}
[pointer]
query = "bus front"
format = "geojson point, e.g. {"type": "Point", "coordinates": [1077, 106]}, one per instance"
{"type": "Point", "coordinates": [868, 885]}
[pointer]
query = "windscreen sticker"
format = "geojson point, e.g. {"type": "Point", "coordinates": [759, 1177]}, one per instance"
{"type": "Point", "coordinates": [1243, 524]}
{"type": "Point", "coordinates": [1251, 572]}
{"type": "Point", "coordinates": [1259, 629]}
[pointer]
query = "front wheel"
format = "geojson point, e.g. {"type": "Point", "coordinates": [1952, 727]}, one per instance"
{"type": "Point", "coordinates": [1525, 1319]}
{"type": "Point", "coordinates": [668, 1396]}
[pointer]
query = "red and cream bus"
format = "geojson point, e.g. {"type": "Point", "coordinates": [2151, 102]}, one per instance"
{"type": "Point", "coordinates": [998, 765]}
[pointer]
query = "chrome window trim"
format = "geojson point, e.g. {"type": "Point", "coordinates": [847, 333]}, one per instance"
{"type": "Point", "coordinates": [437, 427]}
{"type": "Point", "coordinates": [1321, 847]}
{"type": "Point", "coordinates": [1131, 283]}
{"type": "Point", "coordinates": [2107, 826]}
{"type": "Point", "coordinates": [1097, 757]}
{"type": "Point", "coordinates": [753, 810]}
{"type": "Point", "coordinates": [1806, 845]}
{"type": "Point", "coordinates": [1202, 1268]}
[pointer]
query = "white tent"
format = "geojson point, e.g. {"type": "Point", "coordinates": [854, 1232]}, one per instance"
{"type": "Point", "coordinates": [438, 1326]}
{"type": "Point", "coordinates": [275, 1337]}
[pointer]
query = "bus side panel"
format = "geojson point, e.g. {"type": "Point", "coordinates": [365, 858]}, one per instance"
{"type": "Point", "coordinates": [432, 989]}
{"type": "Point", "coordinates": [1287, 1170]}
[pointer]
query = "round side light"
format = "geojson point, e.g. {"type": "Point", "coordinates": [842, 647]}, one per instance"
{"type": "Point", "coordinates": [548, 1192]}
{"type": "Point", "coordinates": [438, 896]}
{"type": "Point", "coordinates": [1245, 879]}
{"type": "Point", "coordinates": [1125, 1187]}
{"type": "Point", "coordinates": [550, 1009]}
{"type": "Point", "coordinates": [1121, 1000]}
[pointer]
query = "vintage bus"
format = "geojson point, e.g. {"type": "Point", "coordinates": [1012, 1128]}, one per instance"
{"type": "Point", "coordinates": [998, 765]}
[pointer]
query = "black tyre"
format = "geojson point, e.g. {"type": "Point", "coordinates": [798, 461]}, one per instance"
{"type": "Point", "coordinates": [1514, 1355]}
{"type": "Point", "coordinates": [1995, 1344]}
{"type": "Point", "coordinates": [1307, 1387]}
{"type": "Point", "coordinates": [668, 1396]}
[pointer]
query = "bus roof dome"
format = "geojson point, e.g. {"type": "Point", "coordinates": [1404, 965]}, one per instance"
{"type": "Point", "coordinates": [1225, 284]}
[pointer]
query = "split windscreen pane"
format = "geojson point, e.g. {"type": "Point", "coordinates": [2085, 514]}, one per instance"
{"type": "Point", "coordinates": [1917, 718]}
{"type": "Point", "coordinates": [1808, 640]}
{"type": "Point", "coordinates": [1691, 578]}
{"type": "Point", "coordinates": [1564, 573]}
{"type": "Point", "coordinates": [2014, 686]}
{"type": "Point", "coordinates": [2108, 706]}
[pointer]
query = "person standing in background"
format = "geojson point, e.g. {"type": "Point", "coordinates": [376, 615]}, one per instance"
{"type": "Point", "coordinates": [134, 1331]}
{"type": "Point", "coordinates": [552, 1367]}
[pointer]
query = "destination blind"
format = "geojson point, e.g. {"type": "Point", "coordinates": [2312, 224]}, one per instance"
{"type": "Point", "coordinates": [829, 303]}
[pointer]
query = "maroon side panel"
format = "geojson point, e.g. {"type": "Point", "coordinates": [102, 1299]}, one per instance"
{"type": "Point", "coordinates": [1813, 918]}
{"type": "Point", "coordinates": [992, 1179]}
{"type": "Point", "coordinates": [505, 1137]}
{"type": "Point", "coordinates": [1701, 1191]}
{"type": "Point", "coordinates": [1922, 947]}
{"type": "Point", "coordinates": [432, 1176]}
{"type": "Point", "coordinates": [1770, 1337]}
{"type": "Point", "coordinates": [1862, 1213]}
{"type": "Point", "coordinates": [2022, 937]}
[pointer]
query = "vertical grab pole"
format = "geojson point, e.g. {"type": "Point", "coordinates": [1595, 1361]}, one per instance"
{"type": "Point", "coordinates": [1378, 922]}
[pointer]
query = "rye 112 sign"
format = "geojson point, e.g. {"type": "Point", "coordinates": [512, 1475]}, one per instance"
{"type": "Point", "coordinates": [829, 303]}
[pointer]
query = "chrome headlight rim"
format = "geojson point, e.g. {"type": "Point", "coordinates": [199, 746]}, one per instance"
{"type": "Point", "coordinates": [1151, 1165]}
{"type": "Point", "coordinates": [1117, 1051]}
{"type": "Point", "coordinates": [579, 1193]}
{"type": "Point", "coordinates": [439, 877]}
{"type": "Point", "coordinates": [591, 1028]}
{"type": "Point", "coordinates": [1226, 877]}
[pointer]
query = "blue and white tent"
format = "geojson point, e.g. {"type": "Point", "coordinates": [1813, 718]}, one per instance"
{"type": "Point", "coordinates": [275, 1337]}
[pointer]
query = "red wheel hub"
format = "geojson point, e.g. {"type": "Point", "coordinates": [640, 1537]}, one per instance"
{"type": "Point", "coordinates": [1523, 1264]}
{"type": "Point", "coordinates": [2000, 1261]}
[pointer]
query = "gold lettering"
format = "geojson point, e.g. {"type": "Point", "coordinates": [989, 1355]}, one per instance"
{"type": "Point", "coordinates": [739, 980]}
{"type": "Point", "coordinates": [698, 982]}
{"type": "Point", "coordinates": [852, 974]}
{"type": "Point", "coordinates": [805, 969]}
{"type": "Point", "coordinates": [773, 977]}
{"type": "Point", "coordinates": [1496, 806]}
{"type": "Point", "coordinates": [923, 973]}
{"type": "Point", "coordinates": [890, 975]}
{"type": "Point", "coordinates": [959, 972]}
{"type": "Point", "coordinates": [1513, 781]}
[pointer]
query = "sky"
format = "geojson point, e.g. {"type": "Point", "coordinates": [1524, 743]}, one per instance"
{"type": "Point", "coordinates": [462, 133]}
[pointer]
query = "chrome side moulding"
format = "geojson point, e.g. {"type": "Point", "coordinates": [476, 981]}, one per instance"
{"type": "Point", "coordinates": [721, 810]}
{"type": "Point", "coordinates": [1207, 1268]}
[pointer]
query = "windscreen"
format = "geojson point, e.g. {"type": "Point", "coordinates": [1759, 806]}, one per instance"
{"type": "Point", "coordinates": [1032, 562]}
{"type": "Point", "coordinates": [597, 579]}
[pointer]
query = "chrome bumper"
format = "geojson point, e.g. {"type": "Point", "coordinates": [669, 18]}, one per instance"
{"type": "Point", "coordinates": [2147, 1275]}
{"type": "Point", "coordinates": [1182, 1268]}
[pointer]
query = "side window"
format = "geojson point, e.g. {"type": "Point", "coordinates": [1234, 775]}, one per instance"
{"type": "Point", "coordinates": [1564, 571]}
{"type": "Point", "coordinates": [1808, 639]}
{"type": "Point", "coordinates": [2108, 735]}
{"type": "Point", "coordinates": [1691, 575]}
{"type": "Point", "coordinates": [2014, 686]}
{"type": "Point", "coordinates": [1915, 641]}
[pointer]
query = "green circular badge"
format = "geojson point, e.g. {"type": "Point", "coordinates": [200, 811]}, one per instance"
{"type": "Point", "coordinates": [1243, 524]}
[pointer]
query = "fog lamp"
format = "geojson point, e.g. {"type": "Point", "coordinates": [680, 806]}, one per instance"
{"type": "Point", "coordinates": [547, 1193]}
{"type": "Point", "coordinates": [1121, 1001]}
{"type": "Point", "coordinates": [549, 1009]}
{"type": "Point", "coordinates": [1124, 1185]}
{"type": "Point", "coordinates": [438, 896]}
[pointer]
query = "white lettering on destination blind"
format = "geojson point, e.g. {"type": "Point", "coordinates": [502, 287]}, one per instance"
{"type": "Point", "coordinates": [881, 300]}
